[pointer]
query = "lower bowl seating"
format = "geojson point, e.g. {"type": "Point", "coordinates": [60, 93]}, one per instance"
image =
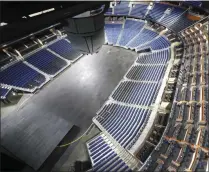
{"type": "Point", "coordinates": [47, 62]}
{"type": "Point", "coordinates": [21, 75]}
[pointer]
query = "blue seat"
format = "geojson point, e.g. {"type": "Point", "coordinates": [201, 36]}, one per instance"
{"type": "Point", "coordinates": [139, 10]}
{"type": "Point", "coordinates": [4, 92]}
{"type": "Point", "coordinates": [131, 29]}
{"type": "Point", "coordinates": [121, 8]}
{"type": "Point", "coordinates": [124, 123]}
{"type": "Point", "coordinates": [145, 36]}
{"type": "Point", "coordinates": [46, 61]}
{"type": "Point", "coordinates": [21, 75]}
{"type": "Point", "coordinates": [112, 32]}
{"type": "Point", "coordinates": [64, 49]}
{"type": "Point", "coordinates": [157, 57]}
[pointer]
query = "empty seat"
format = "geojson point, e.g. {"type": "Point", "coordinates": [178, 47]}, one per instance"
{"type": "Point", "coordinates": [121, 8]}
{"type": "Point", "coordinates": [157, 57]}
{"type": "Point", "coordinates": [137, 93]}
{"type": "Point", "coordinates": [123, 123]}
{"type": "Point", "coordinates": [47, 62]}
{"type": "Point", "coordinates": [139, 10]}
{"type": "Point", "coordinates": [131, 29]}
{"type": "Point", "coordinates": [103, 156]}
{"type": "Point", "coordinates": [144, 36]}
{"type": "Point", "coordinates": [4, 92]}
{"type": "Point", "coordinates": [146, 72]}
{"type": "Point", "coordinates": [21, 75]}
{"type": "Point", "coordinates": [157, 44]}
{"type": "Point", "coordinates": [112, 32]}
{"type": "Point", "coordinates": [65, 49]}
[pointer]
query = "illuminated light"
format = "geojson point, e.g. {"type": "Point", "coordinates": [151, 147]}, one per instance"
{"type": "Point", "coordinates": [41, 12]}
{"type": "Point", "coordinates": [3, 24]}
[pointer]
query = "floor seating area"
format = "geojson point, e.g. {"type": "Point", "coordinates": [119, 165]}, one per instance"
{"type": "Point", "coordinates": [103, 156]}
{"type": "Point", "coordinates": [64, 49]}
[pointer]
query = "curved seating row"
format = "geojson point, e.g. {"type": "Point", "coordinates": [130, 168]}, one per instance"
{"type": "Point", "coordinates": [137, 93]}
{"type": "Point", "coordinates": [65, 49]}
{"type": "Point", "coordinates": [103, 156]}
{"type": "Point", "coordinates": [123, 123]}
{"type": "Point", "coordinates": [21, 75]}
{"type": "Point", "coordinates": [112, 32]}
{"type": "Point", "coordinates": [174, 17]}
{"type": "Point", "coordinates": [46, 61]}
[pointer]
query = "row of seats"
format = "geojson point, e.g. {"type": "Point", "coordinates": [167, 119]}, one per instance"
{"type": "Point", "coordinates": [65, 49]}
{"type": "Point", "coordinates": [123, 123]}
{"type": "Point", "coordinates": [46, 61]}
{"type": "Point", "coordinates": [4, 92]}
{"type": "Point", "coordinates": [158, 43]}
{"type": "Point", "coordinates": [138, 93]}
{"type": "Point", "coordinates": [130, 30]}
{"type": "Point", "coordinates": [156, 57]}
{"type": "Point", "coordinates": [103, 156]}
{"type": "Point", "coordinates": [146, 72]}
{"type": "Point", "coordinates": [166, 14]}
{"type": "Point", "coordinates": [21, 75]}
{"type": "Point", "coordinates": [112, 32]}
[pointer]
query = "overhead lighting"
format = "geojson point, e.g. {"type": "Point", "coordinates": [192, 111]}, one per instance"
{"type": "Point", "coordinates": [3, 24]}
{"type": "Point", "coordinates": [41, 12]}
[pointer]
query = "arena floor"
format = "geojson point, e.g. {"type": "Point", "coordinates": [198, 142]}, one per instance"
{"type": "Point", "coordinates": [77, 94]}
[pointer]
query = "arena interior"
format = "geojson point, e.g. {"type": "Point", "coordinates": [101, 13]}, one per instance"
{"type": "Point", "coordinates": [105, 86]}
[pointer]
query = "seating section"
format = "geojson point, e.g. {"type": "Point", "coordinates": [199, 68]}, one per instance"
{"type": "Point", "coordinates": [103, 156]}
{"type": "Point", "coordinates": [131, 29]}
{"type": "Point", "coordinates": [64, 49]}
{"type": "Point", "coordinates": [193, 3]}
{"type": "Point", "coordinates": [144, 36]}
{"type": "Point", "coordinates": [21, 75]}
{"type": "Point", "coordinates": [157, 44]}
{"type": "Point", "coordinates": [157, 57]}
{"type": "Point", "coordinates": [139, 10]}
{"type": "Point", "coordinates": [146, 72]}
{"type": "Point", "coordinates": [47, 62]}
{"type": "Point", "coordinates": [182, 23]}
{"type": "Point", "coordinates": [123, 123]}
{"type": "Point", "coordinates": [109, 11]}
{"type": "Point", "coordinates": [168, 19]}
{"type": "Point", "coordinates": [121, 8]}
{"type": "Point", "coordinates": [137, 93]}
{"type": "Point", "coordinates": [157, 11]}
{"type": "Point", "coordinates": [4, 92]}
{"type": "Point", "coordinates": [112, 32]}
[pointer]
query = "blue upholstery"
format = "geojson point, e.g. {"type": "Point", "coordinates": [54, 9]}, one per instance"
{"type": "Point", "coordinates": [21, 75]}
{"type": "Point", "coordinates": [139, 10]}
{"type": "Point", "coordinates": [104, 157]}
{"type": "Point", "coordinates": [182, 23]}
{"type": "Point", "coordinates": [156, 44]}
{"type": "Point", "coordinates": [46, 61]}
{"type": "Point", "coordinates": [64, 49]}
{"type": "Point", "coordinates": [123, 123]}
{"type": "Point", "coordinates": [112, 32]}
{"type": "Point", "coordinates": [157, 57]}
{"type": "Point", "coordinates": [158, 11]}
{"type": "Point", "coordinates": [146, 73]}
{"type": "Point", "coordinates": [136, 93]}
{"type": "Point", "coordinates": [144, 36]}
{"type": "Point", "coordinates": [131, 29]}
{"type": "Point", "coordinates": [4, 92]}
{"type": "Point", "coordinates": [109, 11]}
{"type": "Point", "coordinates": [170, 18]}
{"type": "Point", "coordinates": [193, 3]}
{"type": "Point", "coordinates": [121, 8]}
